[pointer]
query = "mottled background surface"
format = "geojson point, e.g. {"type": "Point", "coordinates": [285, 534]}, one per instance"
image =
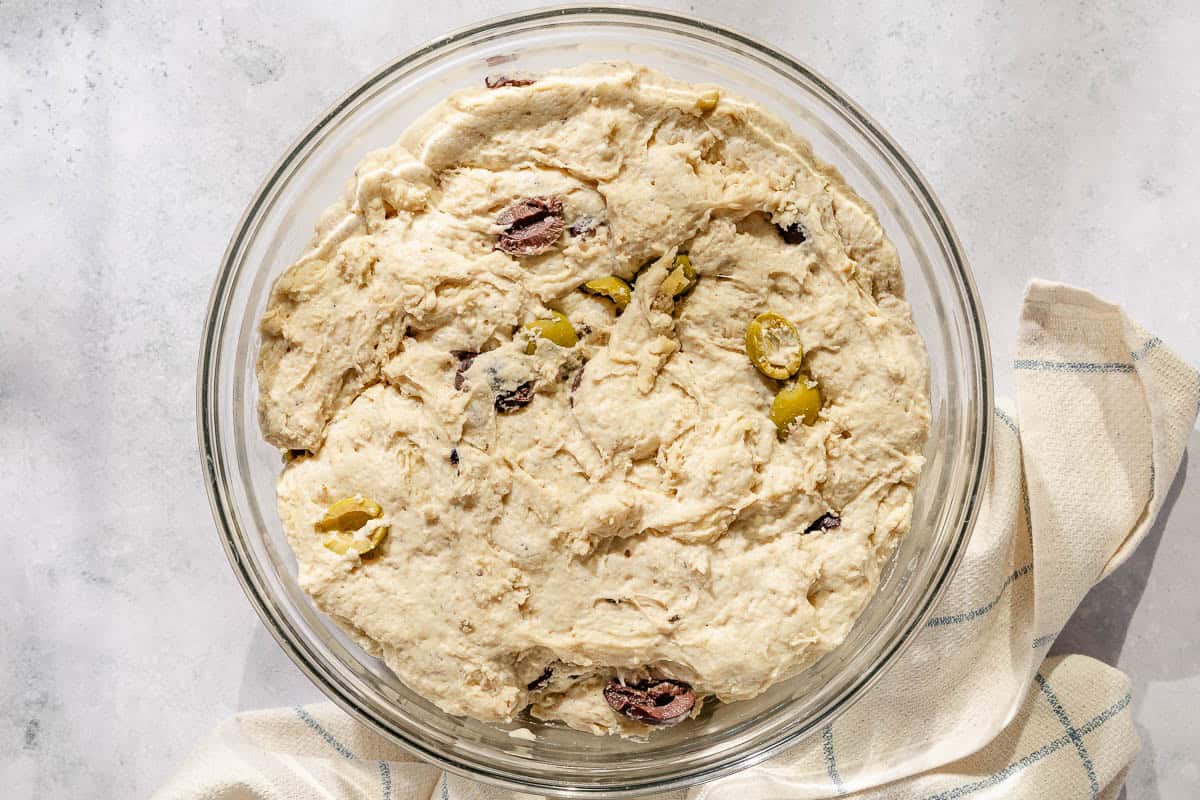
{"type": "Point", "coordinates": [1061, 137]}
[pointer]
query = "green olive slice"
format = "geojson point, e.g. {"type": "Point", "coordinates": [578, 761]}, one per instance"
{"type": "Point", "coordinates": [707, 100]}
{"type": "Point", "coordinates": [773, 345]}
{"type": "Point", "coordinates": [349, 514]}
{"type": "Point", "coordinates": [800, 400]}
{"type": "Point", "coordinates": [557, 329]}
{"type": "Point", "coordinates": [342, 542]}
{"type": "Point", "coordinates": [681, 278]}
{"type": "Point", "coordinates": [611, 287]}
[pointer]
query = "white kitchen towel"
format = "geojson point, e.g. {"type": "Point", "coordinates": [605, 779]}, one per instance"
{"type": "Point", "coordinates": [972, 709]}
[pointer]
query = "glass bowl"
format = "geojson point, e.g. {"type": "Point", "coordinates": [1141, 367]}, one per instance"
{"type": "Point", "coordinates": [240, 468]}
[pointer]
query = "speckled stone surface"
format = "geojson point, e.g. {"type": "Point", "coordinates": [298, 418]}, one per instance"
{"type": "Point", "coordinates": [1060, 137]}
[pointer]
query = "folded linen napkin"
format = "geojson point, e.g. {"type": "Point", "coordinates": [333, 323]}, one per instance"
{"type": "Point", "coordinates": [973, 708]}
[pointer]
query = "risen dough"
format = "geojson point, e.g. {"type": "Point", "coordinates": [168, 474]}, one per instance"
{"type": "Point", "coordinates": [642, 517]}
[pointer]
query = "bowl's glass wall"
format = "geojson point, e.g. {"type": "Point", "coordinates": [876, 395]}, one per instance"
{"type": "Point", "coordinates": [242, 468]}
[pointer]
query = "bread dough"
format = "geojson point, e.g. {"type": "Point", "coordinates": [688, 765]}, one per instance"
{"type": "Point", "coordinates": [639, 515]}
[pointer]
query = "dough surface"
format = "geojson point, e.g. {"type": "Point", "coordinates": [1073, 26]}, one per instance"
{"type": "Point", "coordinates": [639, 515]}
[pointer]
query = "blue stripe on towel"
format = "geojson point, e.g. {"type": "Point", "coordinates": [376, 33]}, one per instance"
{"type": "Point", "coordinates": [1008, 421]}
{"type": "Point", "coordinates": [307, 719]}
{"type": "Point", "coordinates": [385, 780]}
{"type": "Point", "coordinates": [1041, 365]}
{"type": "Point", "coordinates": [1076, 739]}
{"type": "Point", "coordinates": [1044, 640]}
{"type": "Point", "coordinates": [1034, 757]}
{"type": "Point", "coordinates": [975, 613]}
{"type": "Point", "coordinates": [1140, 353]}
{"type": "Point", "coordinates": [830, 761]}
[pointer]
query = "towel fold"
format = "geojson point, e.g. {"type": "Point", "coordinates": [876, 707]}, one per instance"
{"type": "Point", "coordinates": [973, 709]}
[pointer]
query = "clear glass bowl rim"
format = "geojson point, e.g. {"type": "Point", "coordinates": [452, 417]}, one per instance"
{"type": "Point", "coordinates": [216, 470]}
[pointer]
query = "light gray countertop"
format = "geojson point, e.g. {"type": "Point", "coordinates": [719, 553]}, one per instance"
{"type": "Point", "coordinates": [1061, 138]}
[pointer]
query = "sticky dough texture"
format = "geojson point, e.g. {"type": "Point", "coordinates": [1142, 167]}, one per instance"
{"type": "Point", "coordinates": [648, 520]}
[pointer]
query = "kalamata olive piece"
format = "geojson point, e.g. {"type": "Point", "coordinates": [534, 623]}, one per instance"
{"type": "Point", "coordinates": [541, 680]}
{"type": "Point", "coordinates": [795, 233]}
{"type": "Point", "coordinates": [513, 399]}
{"type": "Point", "coordinates": [465, 359]}
{"type": "Point", "coordinates": [825, 522]}
{"type": "Point", "coordinates": [531, 226]}
{"type": "Point", "coordinates": [652, 702]}
{"type": "Point", "coordinates": [496, 81]}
